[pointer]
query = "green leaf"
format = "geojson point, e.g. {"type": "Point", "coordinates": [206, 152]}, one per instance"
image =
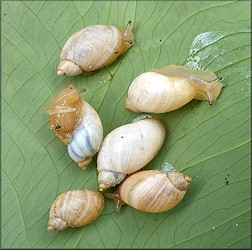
{"type": "Point", "coordinates": [210, 143]}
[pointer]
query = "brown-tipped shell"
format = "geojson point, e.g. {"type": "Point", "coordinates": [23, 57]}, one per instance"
{"type": "Point", "coordinates": [75, 208]}
{"type": "Point", "coordinates": [153, 191]}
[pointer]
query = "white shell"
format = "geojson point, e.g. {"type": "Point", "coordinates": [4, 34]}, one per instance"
{"type": "Point", "coordinates": [127, 149]}
{"type": "Point", "coordinates": [75, 208]}
{"type": "Point", "coordinates": [151, 91]}
{"type": "Point", "coordinates": [87, 137]}
{"type": "Point", "coordinates": [170, 88]}
{"type": "Point", "coordinates": [94, 47]}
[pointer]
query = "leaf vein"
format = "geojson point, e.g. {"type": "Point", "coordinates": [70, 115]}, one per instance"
{"type": "Point", "coordinates": [20, 205]}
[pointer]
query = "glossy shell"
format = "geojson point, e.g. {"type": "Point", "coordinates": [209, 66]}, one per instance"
{"type": "Point", "coordinates": [77, 124]}
{"type": "Point", "coordinates": [65, 112]}
{"type": "Point", "coordinates": [127, 149]}
{"type": "Point", "coordinates": [75, 209]}
{"type": "Point", "coordinates": [151, 191]}
{"type": "Point", "coordinates": [94, 47]}
{"type": "Point", "coordinates": [167, 89]}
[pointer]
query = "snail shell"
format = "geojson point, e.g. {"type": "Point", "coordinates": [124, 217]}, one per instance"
{"type": "Point", "coordinates": [166, 89]}
{"type": "Point", "coordinates": [75, 208]}
{"type": "Point", "coordinates": [77, 124]}
{"type": "Point", "coordinates": [151, 191]}
{"type": "Point", "coordinates": [94, 47]}
{"type": "Point", "coordinates": [127, 149]}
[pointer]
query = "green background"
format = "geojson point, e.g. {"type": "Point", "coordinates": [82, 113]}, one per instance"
{"type": "Point", "coordinates": [209, 143]}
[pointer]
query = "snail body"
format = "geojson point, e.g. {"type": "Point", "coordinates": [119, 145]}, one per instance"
{"type": "Point", "coordinates": [94, 47]}
{"type": "Point", "coordinates": [75, 208]}
{"type": "Point", "coordinates": [151, 191]}
{"type": "Point", "coordinates": [77, 124]}
{"type": "Point", "coordinates": [169, 88]}
{"type": "Point", "coordinates": [127, 149]}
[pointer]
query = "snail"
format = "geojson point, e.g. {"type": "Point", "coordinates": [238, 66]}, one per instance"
{"type": "Point", "coordinates": [127, 149]}
{"type": "Point", "coordinates": [94, 47]}
{"type": "Point", "coordinates": [169, 88]}
{"type": "Point", "coordinates": [75, 208]}
{"type": "Point", "coordinates": [152, 191]}
{"type": "Point", "coordinates": [77, 124]}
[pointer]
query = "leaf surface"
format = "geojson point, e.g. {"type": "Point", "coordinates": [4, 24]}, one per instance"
{"type": "Point", "coordinates": [210, 143]}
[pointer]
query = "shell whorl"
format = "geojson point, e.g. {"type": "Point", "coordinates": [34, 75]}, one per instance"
{"type": "Point", "coordinates": [108, 179]}
{"type": "Point", "coordinates": [179, 181]}
{"type": "Point", "coordinates": [68, 68]}
{"type": "Point", "coordinates": [87, 137]}
{"type": "Point", "coordinates": [56, 223]}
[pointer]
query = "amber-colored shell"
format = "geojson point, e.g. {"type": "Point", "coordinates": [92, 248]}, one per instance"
{"type": "Point", "coordinates": [151, 191]}
{"type": "Point", "coordinates": [75, 208]}
{"type": "Point", "coordinates": [66, 112]}
{"type": "Point", "coordinates": [94, 47]}
{"type": "Point", "coordinates": [169, 88]}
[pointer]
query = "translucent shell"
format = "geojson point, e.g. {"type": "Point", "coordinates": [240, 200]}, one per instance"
{"type": "Point", "coordinates": [151, 191]}
{"type": "Point", "coordinates": [127, 149]}
{"type": "Point", "coordinates": [65, 112]}
{"type": "Point", "coordinates": [94, 47]}
{"type": "Point", "coordinates": [77, 124]}
{"type": "Point", "coordinates": [75, 208]}
{"type": "Point", "coordinates": [167, 89]}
